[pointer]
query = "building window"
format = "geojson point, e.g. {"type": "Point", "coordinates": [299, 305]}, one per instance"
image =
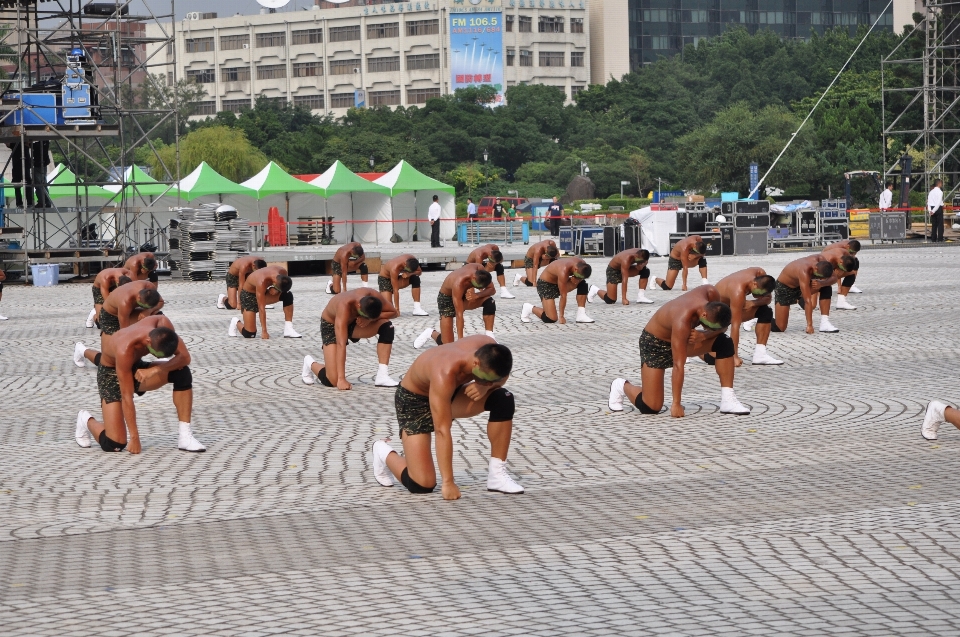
{"type": "Point", "coordinates": [383, 65]}
{"type": "Point", "coordinates": [526, 24]}
{"type": "Point", "coordinates": [551, 58]}
{"type": "Point", "coordinates": [509, 26]}
{"type": "Point", "coordinates": [345, 34]}
{"type": "Point", "coordinates": [576, 58]}
{"type": "Point", "coordinates": [341, 100]}
{"type": "Point", "coordinates": [235, 106]}
{"type": "Point", "coordinates": [383, 30]}
{"type": "Point", "coordinates": [511, 56]}
{"type": "Point", "coordinates": [549, 24]}
{"type": "Point", "coordinates": [574, 90]}
{"type": "Point", "coordinates": [308, 69]}
{"type": "Point", "coordinates": [271, 71]}
{"type": "Point", "coordinates": [199, 45]}
{"type": "Point", "coordinates": [275, 38]}
{"type": "Point", "coordinates": [169, 78]}
{"type": "Point", "coordinates": [384, 98]}
{"type": "Point", "coordinates": [233, 42]}
{"type": "Point", "coordinates": [235, 74]}
{"type": "Point", "coordinates": [423, 27]}
{"type": "Point", "coordinates": [205, 108]}
{"type": "Point", "coordinates": [661, 15]}
{"type": "Point", "coordinates": [526, 58]}
{"type": "Point", "coordinates": [202, 76]}
{"type": "Point", "coordinates": [343, 67]}
{"type": "Point", "coordinates": [576, 25]}
{"type": "Point", "coordinates": [308, 36]}
{"type": "Point", "coordinates": [313, 102]}
{"type": "Point", "coordinates": [419, 62]}
{"type": "Point", "coordinates": [421, 95]}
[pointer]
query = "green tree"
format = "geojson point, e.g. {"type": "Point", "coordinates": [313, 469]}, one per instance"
{"type": "Point", "coordinates": [227, 150]}
{"type": "Point", "coordinates": [468, 176]}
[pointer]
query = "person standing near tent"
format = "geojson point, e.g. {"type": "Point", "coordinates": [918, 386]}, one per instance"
{"type": "Point", "coordinates": [433, 215]}
{"type": "Point", "coordinates": [886, 197]}
{"type": "Point", "coordinates": [471, 210]}
{"type": "Point", "coordinates": [935, 208]}
{"type": "Point", "coordinates": [555, 212]}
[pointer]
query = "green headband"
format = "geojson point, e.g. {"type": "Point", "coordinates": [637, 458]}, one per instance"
{"type": "Point", "coordinates": [155, 352]}
{"type": "Point", "coordinates": [712, 326]}
{"type": "Point", "coordinates": [579, 276]}
{"type": "Point", "coordinates": [489, 377]}
{"type": "Point", "coordinates": [143, 305]}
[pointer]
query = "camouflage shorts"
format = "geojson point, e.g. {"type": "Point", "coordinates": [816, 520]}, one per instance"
{"type": "Point", "coordinates": [413, 412]}
{"type": "Point", "coordinates": [248, 301]}
{"type": "Point", "coordinates": [614, 276]}
{"type": "Point", "coordinates": [335, 268]}
{"type": "Point", "coordinates": [548, 290]}
{"type": "Point", "coordinates": [528, 262]}
{"type": "Point", "coordinates": [109, 385]}
{"type": "Point", "coordinates": [674, 264]}
{"type": "Point", "coordinates": [385, 284]}
{"type": "Point", "coordinates": [97, 295]}
{"type": "Point", "coordinates": [786, 295]}
{"type": "Point", "coordinates": [328, 333]}
{"type": "Point", "coordinates": [233, 281]}
{"type": "Point", "coordinates": [109, 324]}
{"type": "Point", "coordinates": [445, 304]}
{"type": "Point", "coordinates": [655, 353]}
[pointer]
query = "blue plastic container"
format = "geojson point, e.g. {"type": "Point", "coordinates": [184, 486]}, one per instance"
{"type": "Point", "coordinates": [45, 275]}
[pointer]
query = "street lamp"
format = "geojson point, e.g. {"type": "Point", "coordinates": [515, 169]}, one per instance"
{"type": "Point", "coordinates": [372, 160]}
{"type": "Point", "coordinates": [584, 169]}
{"type": "Point", "coordinates": [485, 155]}
{"type": "Point", "coordinates": [622, 184]}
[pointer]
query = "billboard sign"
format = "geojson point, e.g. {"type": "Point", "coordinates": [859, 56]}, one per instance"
{"type": "Point", "coordinates": [476, 51]}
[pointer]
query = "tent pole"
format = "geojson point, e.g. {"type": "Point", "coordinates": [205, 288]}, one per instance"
{"type": "Point", "coordinates": [352, 220]}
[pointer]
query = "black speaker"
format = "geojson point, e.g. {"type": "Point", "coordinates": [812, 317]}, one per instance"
{"type": "Point", "coordinates": [691, 222]}
{"type": "Point", "coordinates": [726, 209]}
{"type": "Point", "coordinates": [839, 228]}
{"type": "Point", "coordinates": [751, 219]}
{"type": "Point", "coordinates": [631, 236]}
{"type": "Point", "coordinates": [610, 241]}
{"type": "Point", "coordinates": [751, 207]}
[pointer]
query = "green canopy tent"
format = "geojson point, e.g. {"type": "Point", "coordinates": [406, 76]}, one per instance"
{"type": "Point", "coordinates": [369, 203]}
{"type": "Point", "coordinates": [63, 183]}
{"type": "Point", "coordinates": [204, 181]}
{"type": "Point", "coordinates": [404, 182]}
{"type": "Point", "coordinates": [273, 180]}
{"type": "Point", "coordinates": [139, 183]}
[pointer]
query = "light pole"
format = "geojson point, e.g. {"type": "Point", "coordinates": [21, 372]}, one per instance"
{"type": "Point", "coordinates": [486, 155]}
{"type": "Point", "coordinates": [584, 169]}
{"type": "Point", "coordinates": [622, 184]}
{"type": "Point", "coordinates": [660, 183]}
{"type": "Point", "coordinates": [372, 161]}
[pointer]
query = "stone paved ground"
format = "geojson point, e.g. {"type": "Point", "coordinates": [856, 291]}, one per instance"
{"type": "Point", "coordinates": [823, 512]}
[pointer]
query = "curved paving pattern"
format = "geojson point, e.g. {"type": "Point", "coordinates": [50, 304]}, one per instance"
{"type": "Point", "coordinates": [822, 512]}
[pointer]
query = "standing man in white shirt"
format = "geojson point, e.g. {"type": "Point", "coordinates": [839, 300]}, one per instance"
{"type": "Point", "coordinates": [935, 208]}
{"type": "Point", "coordinates": [471, 210]}
{"type": "Point", "coordinates": [434, 216]}
{"type": "Point", "coordinates": [886, 197]}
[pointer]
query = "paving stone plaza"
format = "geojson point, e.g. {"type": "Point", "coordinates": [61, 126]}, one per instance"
{"type": "Point", "coordinates": [822, 512]}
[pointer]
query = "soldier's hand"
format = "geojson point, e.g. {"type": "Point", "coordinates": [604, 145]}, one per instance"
{"type": "Point", "coordinates": [473, 392]}
{"type": "Point", "coordinates": [815, 285]}
{"type": "Point", "coordinates": [737, 361]}
{"type": "Point", "coordinates": [142, 375]}
{"type": "Point", "coordinates": [470, 295]}
{"type": "Point", "coordinates": [450, 491]}
{"type": "Point", "coordinates": [626, 302]}
{"type": "Point", "coordinates": [134, 445]}
{"type": "Point", "coordinates": [809, 329]}
{"type": "Point", "coordinates": [676, 410]}
{"type": "Point", "coordinates": [343, 385]}
{"type": "Point", "coordinates": [562, 320]}
{"type": "Point", "coordinates": [265, 335]}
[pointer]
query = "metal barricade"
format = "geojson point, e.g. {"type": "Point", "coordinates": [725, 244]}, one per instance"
{"type": "Point", "coordinates": [479, 232]}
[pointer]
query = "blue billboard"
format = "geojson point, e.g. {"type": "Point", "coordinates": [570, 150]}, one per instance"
{"type": "Point", "coordinates": [476, 51]}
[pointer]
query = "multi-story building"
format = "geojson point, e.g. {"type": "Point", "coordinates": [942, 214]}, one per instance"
{"type": "Point", "coordinates": [328, 59]}
{"type": "Point", "coordinates": [661, 28]}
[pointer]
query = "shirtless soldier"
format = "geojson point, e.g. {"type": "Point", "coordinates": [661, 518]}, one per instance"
{"type": "Point", "coordinates": [143, 265]}
{"type": "Point", "coordinates": [236, 275]}
{"type": "Point", "coordinates": [557, 280]}
{"type": "Point", "coordinates": [106, 281]}
{"type": "Point", "coordinates": [688, 252]}
{"type": "Point", "coordinates": [846, 285]}
{"type": "Point", "coordinates": [457, 380]}
{"type": "Point", "coordinates": [126, 305]}
{"type": "Point", "coordinates": [539, 254]}
{"type": "Point", "coordinates": [466, 288]}
{"type": "Point", "coordinates": [348, 258]}
{"type": "Point", "coordinates": [351, 316]}
{"type": "Point", "coordinates": [801, 279]}
{"type": "Point", "coordinates": [396, 274]}
{"type": "Point", "coordinates": [262, 288]}
{"type": "Point", "coordinates": [749, 293]}
{"type": "Point", "coordinates": [122, 372]}
{"type": "Point", "coordinates": [669, 337]}
{"type": "Point", "coordinates": [490, 257]}
{"type": "Point", "coordinates": [624, 265]}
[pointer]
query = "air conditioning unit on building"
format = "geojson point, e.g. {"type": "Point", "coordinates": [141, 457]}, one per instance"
{"type": "Point", "coordinates": [193, 15]}
{"type": "Point", "coordinates": [246, 46]}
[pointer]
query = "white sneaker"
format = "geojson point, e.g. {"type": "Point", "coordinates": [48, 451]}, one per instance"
{"type": "Point", "coordinates": [232, 330]}
{"type": "Point", "coordinates": [383, 378]}
{"type": "Point", "coordinates": [706, 281]}
{"type": "Point", "coordinates": [525, 312]}
{"type": "Point", "coordinates": [582, 316]}
{"type": "Point", "coordinates": [516, 279]}
{"type": "Point", "coordinates": [288, 331]}
{"type": "Point", "coordinates": [82, 434]}
{"type": "Point", "coordinates": [220, 300]}
{"type": "Point", "coordinates": [418, 310]}
{"type": "Point", "coordinates": [615, 402]}
{"type": "Point", "coordinates": [592, 294]}
{"type": "Point", "coordinates": [749, 326]}
{"type": "Point", "coordinates": [490, 334]}
{"type": "Point", "coordinates": [186, 441]}
{"type": "Point", "coordinates": [842, 303]}
{"type": "Point", "coordinates": [269, 307]}
{"type": "Point", "coordinates": [421, 340]}
{"type": "Point", "coordinates": [826, 325]}
{"type": "Point", "coordinates": [380, 470]}
{"type": "Point", "coordinates": [762, 358]}
{"type": "Point", "coordinates": [642, 298]}
{"type": "Point", "coordinates": [505, 294]}
{"type": "Point", "coordinates": [729, 403]}
{"type": "Point", "coordinates": [90, 317]}
{"type": "Point", "coordinates": [3, 318]}
{"type": "Point", "coordinates": [855, 290]}
{"type": "Point", "coordinates": [78, 358]}
{"type": "Point", "coordinates": [499, 480]}
{"type": "Point", "coordinates": [931, 420]}
{"type": "Point", "coordinates": [306, 374]}
{"type": "Point", "coordinates": [330, 287]}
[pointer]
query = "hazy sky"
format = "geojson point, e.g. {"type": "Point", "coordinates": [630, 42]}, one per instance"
{"type": "Point", "coordinates": [222, 7]}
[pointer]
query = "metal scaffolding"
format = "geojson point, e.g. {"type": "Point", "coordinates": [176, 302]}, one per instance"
{"type": "Point", "coordinates": [921, 101]}
{"type": "Point", "coordinates": [125, 57]}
